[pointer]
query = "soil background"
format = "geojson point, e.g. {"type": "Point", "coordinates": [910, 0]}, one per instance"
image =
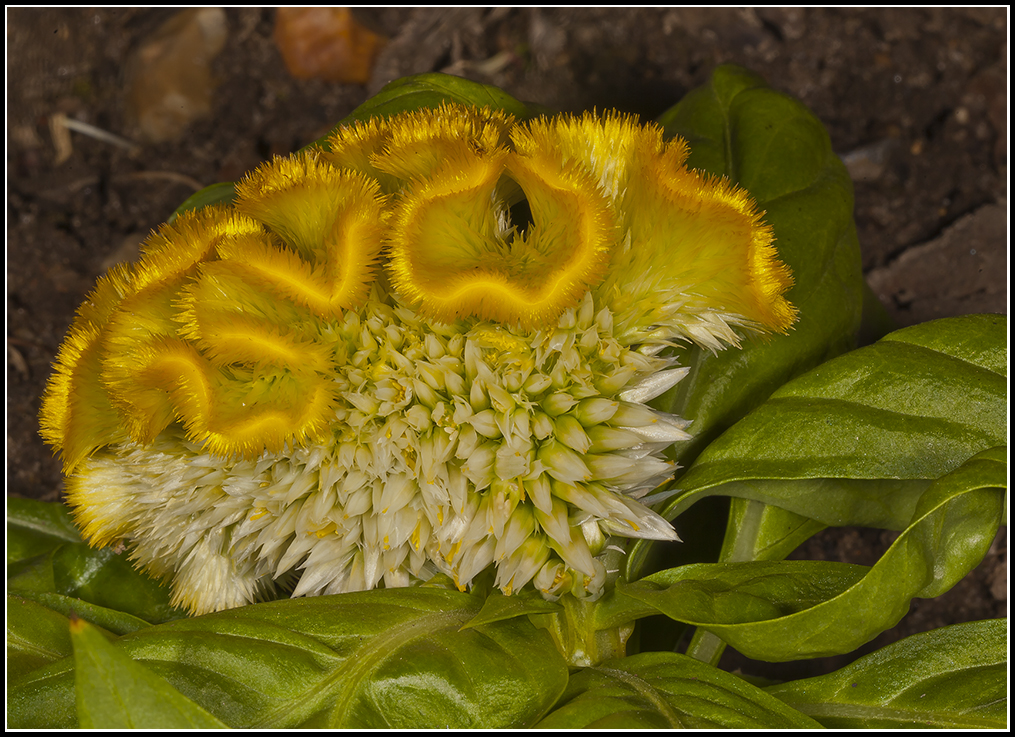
{"type": "Point", "coordinates": [915, 101]}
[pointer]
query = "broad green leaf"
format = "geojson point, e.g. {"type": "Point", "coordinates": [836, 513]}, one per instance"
{"type": "Point", "coordinates": [70, 568]}
{"type": "Point", "coordinates": [789, 610]}
{"type": "Point", "coordinates": [758, 531]}
{"type": "Point", "coordinates": [755, 531]}
{"type": "Point", "coordinates": [114, 692]}
{"type": "Point", "coordinates": [717, 594]}
{"type": "Point", "coordinates": [32, 588]}
{"type": "Point", "coordinates": [106, 578]}
{"type": "Point", "coordinates": [775, 148]}
{"type": "Point", "coordinates": [380, 659]}
{"type": "Point", "coordinates": [36, 636]}
{"type": "Point", "coordinates": [35, 527]}
{"type": "Point", "coordinates": [856, 440]}
{"type": "Point", "coordinates": [32, 574]}
{"type": "Point", "coordinates": [979, 340]}
{"type": "Point", "coordinates": [222, 193]}
{"type": "Point", "coordinates": [38, 628]}
{"type": "Point", "coordinates": [950, 678]}
{"type": "Point", "coordinates": [431, 90]}
{"type": "Point", "coordinates": [113, 620]}
{"type": "Point", "coordinates": [667, 691]}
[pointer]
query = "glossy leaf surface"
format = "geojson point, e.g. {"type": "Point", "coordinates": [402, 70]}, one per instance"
{"type": "Point", "coordinates": [667, 691]}
{"type": "Point", "coordinates": [856, 441]}
{"type": "Point", "coordinates": [73, 570]}
{"type": "Point", "coordinates": [379, 659]}
{"type": "Point", "coordinates": [35, 527]}
{"type": "Point", "coordinates": [36, 636]}
{"type": "Point", "coordinates": [113, 620]}
{"type": "Point", "coordinates": [66, 578]}
{"type": "Point", "coordinates": [790, 610]}
{"type": "Point", "coordinates": [114, 692]}
{"type": "Point", "coordinates": [951, 678]}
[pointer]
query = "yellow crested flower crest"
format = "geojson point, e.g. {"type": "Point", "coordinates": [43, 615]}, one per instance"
{"type": "Point", "coordinates": [427, 349]}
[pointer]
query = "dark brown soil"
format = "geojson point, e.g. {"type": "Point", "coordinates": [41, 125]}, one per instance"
{"type": "Point", "coordinates": [915, 102]}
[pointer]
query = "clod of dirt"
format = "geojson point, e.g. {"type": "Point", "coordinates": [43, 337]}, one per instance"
{"type": "Point", "coordinates": [911, 286]}
{"type": "Point", "coordinates": [326, 43]}
{"type": "Point", "coordinates": [171, 84]}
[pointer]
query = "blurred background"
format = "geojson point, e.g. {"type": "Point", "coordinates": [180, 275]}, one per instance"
{"type": "Point", "coordinates": [115, 116]}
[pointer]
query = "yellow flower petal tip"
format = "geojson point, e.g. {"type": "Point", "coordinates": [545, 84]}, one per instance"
{"type": "Point", "coordinates": [413, 144]}
{"type": "Point", "coordinates": [700, 261]}
{"type": "Point", "coordinates": [427, 349]}
{"type": "Point", "coordinates": [330, 219]}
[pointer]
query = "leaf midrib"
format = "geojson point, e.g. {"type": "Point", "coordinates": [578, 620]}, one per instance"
{"type": "Point", "coordinates": [648, 692]}
{"type": "Point", "coordinates": [364, 660]}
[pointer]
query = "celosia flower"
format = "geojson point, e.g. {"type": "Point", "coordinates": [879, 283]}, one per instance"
{"type": "Point", "coordinates": [366, 371]}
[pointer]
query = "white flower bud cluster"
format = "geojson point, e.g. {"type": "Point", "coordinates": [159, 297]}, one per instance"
{"type": "Point", "coordinates": [455, 447]}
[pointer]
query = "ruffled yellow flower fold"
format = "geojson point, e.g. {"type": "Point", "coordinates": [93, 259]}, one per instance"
{"type": "Point", "coordinates": [218, 327]}
{"type": "Point", "coordinates": [452, 254]}
{"type": "Point", "coordinates": [700, 259]}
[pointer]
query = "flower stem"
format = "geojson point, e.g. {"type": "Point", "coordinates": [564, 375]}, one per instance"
{"type": "Point", "coordinates": [574, 633]}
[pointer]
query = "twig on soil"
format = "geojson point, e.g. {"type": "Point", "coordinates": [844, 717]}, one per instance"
{"type": "Point", "coordinates": [59, 124]}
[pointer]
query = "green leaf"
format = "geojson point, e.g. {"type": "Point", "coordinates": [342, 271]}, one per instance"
{"type": "Point", "coordinates": [106, 578]}
{"type": "Point", "coordinates": [114, 692]}
{"type": "Point", "coordinates": [32, 574]}
{"type": "Point", "coordinates": [979, 340]}
{"type": "Point", "coordinates": [716, 594]}
{"type": "Point", "coordinates": [213, 194]}
{"type": "Point", "coordinates": [35, 527]}
{"type": "Point", "coordinates": [758, 531]}
{"type": "Point", "coordinates": [36, 636]}
{"type": "Point", "coordinates": [755, 531]}
{"type": "Point", "coordinates": [378, 659]}
{"type": "Point", "coordinates": [667, 691]}
{"type": "Point", "coordinates": [789, 610]}
{"type": "Point", "coordinates": [37, 628]}
{"type": "Point", "coordinates": [33, 588]}
{"type": "Point", "coordinates": [431, 90]}
{"type": "Point", "coordinates": [775, 148]}
{"type": "Point", "coordinates": [856, 440]}
{"type": "Point", "coordinates": [66, 566]}
{"type": "Point", "coordinates": [116, 622]}
{"type": "Point", "coordinates": [951, 678]}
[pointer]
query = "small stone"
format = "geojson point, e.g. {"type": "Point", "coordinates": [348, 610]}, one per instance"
{"type": "Point", "coordinates": [868, 162]}
{"type": "Point", "coordinates": [171, 84]}
{"type": "Point", "coordinates": [326, 43]}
